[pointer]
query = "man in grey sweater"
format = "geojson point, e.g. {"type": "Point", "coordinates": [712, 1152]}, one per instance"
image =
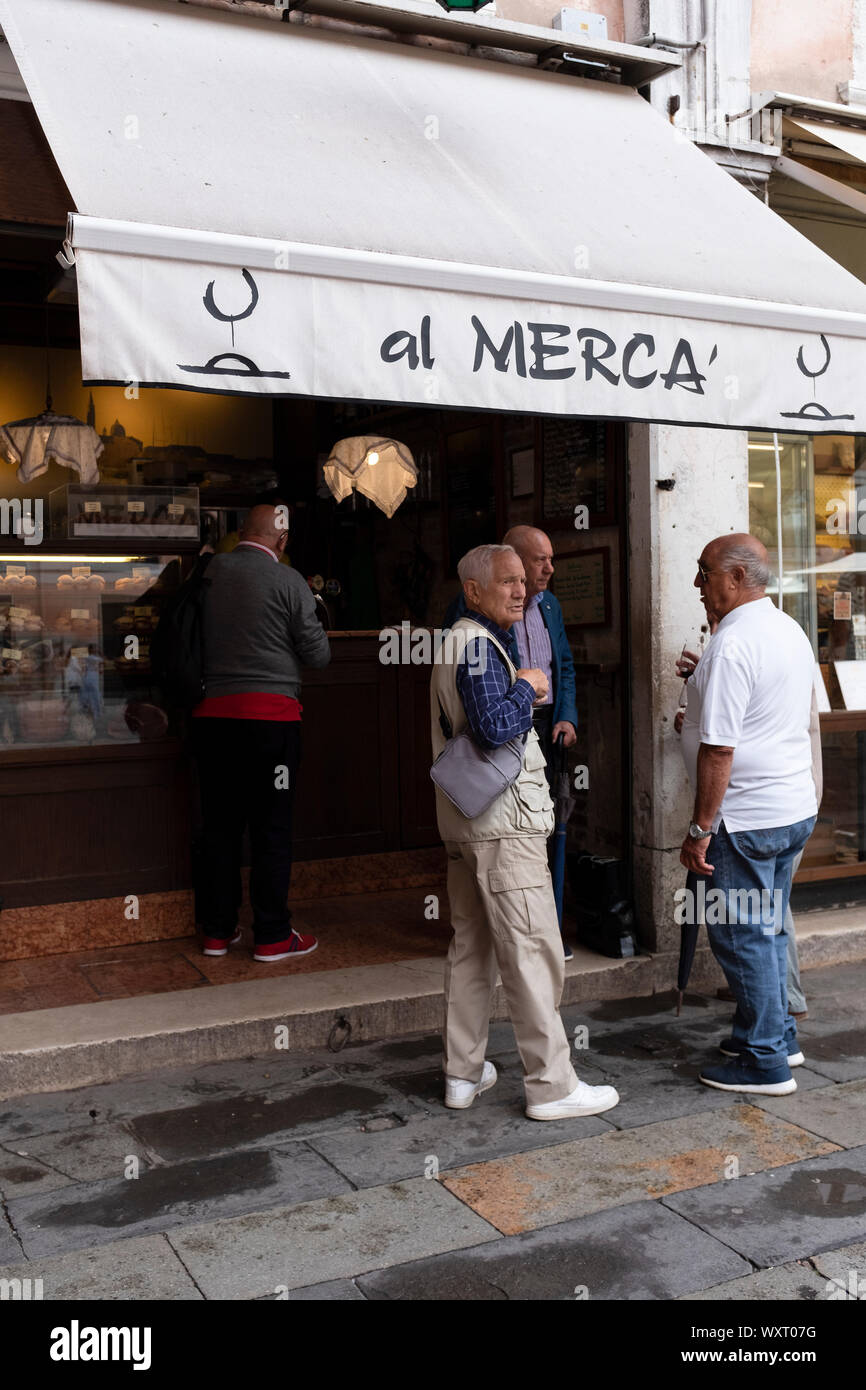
{"type": "Point", "coordinates": [260, 627]}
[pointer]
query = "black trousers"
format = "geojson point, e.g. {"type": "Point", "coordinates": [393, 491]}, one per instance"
{"type": "Point", "coordinates": [247, 770]}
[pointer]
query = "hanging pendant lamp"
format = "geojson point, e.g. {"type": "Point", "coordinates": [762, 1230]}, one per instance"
{"type": "Point", "coordinates": [381, 469]}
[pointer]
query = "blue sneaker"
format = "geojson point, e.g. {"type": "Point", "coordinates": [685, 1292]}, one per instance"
{"type": "Point", "coordinates": [729, 1048]}
{"type": "Point", "coordinates": [566, 950]}
{"type": "Point", "coordinates": [742, 1075]}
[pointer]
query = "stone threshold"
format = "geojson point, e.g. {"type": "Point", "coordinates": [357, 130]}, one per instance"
{"type": "Point", "coordinates": [84, 1044]}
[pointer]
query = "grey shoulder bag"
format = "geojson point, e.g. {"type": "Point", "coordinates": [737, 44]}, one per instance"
{"type": "Point", "coordinates": [472, 777]}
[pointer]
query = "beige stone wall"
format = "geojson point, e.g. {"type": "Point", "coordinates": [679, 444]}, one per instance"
{"type": "Point", "coordinates": [803, 47]}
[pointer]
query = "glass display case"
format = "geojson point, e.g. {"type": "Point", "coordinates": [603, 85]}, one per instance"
{"type": "Point", "coordinates": [152, 513]}
{"type": "Point", "coordinates": [75, 648]}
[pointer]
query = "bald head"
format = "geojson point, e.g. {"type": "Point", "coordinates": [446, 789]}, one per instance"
{"type": "Point", "coordinates": [267, 525]}
{"type": "Point", "coordinates": [736, 569]}
{"type": "Point", "coordinates": [536, 552]}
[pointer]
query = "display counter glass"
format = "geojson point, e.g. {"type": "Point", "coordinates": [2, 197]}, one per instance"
{"type": "Point", "coordinates": [75, 636]}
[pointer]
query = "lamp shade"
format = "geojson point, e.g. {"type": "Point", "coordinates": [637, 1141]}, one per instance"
{"type": "Point", "coordinates": [382, 469]}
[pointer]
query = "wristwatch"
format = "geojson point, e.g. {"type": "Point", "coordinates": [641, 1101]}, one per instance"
{"type": "Point", "coordinates": [695, 832]}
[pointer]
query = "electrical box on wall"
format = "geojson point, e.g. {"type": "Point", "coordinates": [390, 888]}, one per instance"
{"type": "Point", "coordinates": [583, 22]}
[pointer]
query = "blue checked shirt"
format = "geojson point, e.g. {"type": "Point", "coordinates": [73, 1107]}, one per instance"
{"type": "Point", "coordinates": [495, 709]}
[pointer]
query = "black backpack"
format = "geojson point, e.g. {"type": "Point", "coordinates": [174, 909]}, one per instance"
{"type": "Point", "coordinates": [176, 652]}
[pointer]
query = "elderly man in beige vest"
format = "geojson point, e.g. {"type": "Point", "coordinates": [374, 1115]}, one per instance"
{"type": "Point", "coordinates": [502, 906]}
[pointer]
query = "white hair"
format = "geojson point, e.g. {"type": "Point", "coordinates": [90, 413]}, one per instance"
{"type": "Point", "coordinates": [756, 572]}
{"type": "Point", "coordinates": [478, 563]}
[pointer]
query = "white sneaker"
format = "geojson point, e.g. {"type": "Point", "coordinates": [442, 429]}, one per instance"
{"type": "Point", "coordinates": [459, 1095]}
{"type": "Point", "coordinates": [584, 1100]}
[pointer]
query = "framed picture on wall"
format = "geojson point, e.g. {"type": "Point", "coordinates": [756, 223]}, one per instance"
{"type": "Point", "coordinates": [582, 585]}
{"type": "Point", "coordinates": [522, 472]}
{"type": "Point", "coordinates": [576, 467]}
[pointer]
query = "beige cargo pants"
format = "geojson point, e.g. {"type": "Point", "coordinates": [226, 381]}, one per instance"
{"type": "Point", "coordinates": [504, 915]}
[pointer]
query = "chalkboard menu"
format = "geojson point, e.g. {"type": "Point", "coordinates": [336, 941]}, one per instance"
{"type": "Point", "coordinates": [575, 470]}
{"type": "Point", "coordinates": [582, 586]}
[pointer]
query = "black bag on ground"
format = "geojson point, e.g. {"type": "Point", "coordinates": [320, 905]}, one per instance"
{"type": "Point", "coordinates": [603, 911]}
{"type": "Point", "coordinates": [176, 651]}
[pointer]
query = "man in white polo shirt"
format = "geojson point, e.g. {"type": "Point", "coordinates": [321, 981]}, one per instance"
{"type": "Point", "coordinates": [749, 755]}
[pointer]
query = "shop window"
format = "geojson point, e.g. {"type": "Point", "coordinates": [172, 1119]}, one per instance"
{"type": "Point", "coordinates": [819, 493]}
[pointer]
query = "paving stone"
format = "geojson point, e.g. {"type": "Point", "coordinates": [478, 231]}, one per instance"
{"type": "Point", "coordinates": [786, 1214]}
{"type": "Point", "coordinates": [494, 1126]}
{"type": "Point", "coordinates": [85, 1156]}
{"type": "Point", "coordinates": [835, 1112]}
{"type": "Point", "coordinates": [10, 1249]}
{"type": "Point", "coordinates": [206, 1189]}
{"type": "Point", "coordinates": [46, 1112]}
{"type": "Point", "coordinates": [321, 1241]}
{"type": "Point", "coordinates": [633, 1252]}
{"type": "Point", "coordinates": [845, 1269]}
{"type": "Point", "coordinates": [141, 1268]}
{"type": "Point", "coordinates": [838, 1053]}
{"type": "Point", "coordinates": [21, 1174]}
{"type": "Point", "coordinates": [335, 1291]}
{"type": "Point", "coordinates": [234, 1122]}
{"type": "Point", "coordinates": [792, 1281]}
{"type": "Point", "coordinates": [550, 1185]}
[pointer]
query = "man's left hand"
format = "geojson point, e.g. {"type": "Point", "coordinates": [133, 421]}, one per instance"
{"type": "Point", "coordinates": [563, 727]}
{"type": "Point", "coordinates": [693, 856]}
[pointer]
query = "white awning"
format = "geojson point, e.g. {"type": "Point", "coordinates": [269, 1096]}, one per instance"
{"type": "Point", "coordinates": [277, 208]}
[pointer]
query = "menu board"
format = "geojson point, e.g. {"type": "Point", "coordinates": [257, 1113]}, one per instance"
{"type": "Point", "coordinates": [583, 587]}
{"type": "Point", "coordinates": [574, 468]}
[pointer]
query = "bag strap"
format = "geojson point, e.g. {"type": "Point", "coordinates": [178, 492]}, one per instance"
{"type": "Point", "coordinates": [444, 722]}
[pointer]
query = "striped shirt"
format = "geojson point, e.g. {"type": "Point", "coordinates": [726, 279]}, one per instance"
{"type": "Point", "coordinates": [495, 709]}
{"type": "Point", "coordinates": [533, 644]}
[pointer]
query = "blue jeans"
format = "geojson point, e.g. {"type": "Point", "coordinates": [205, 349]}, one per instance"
{"type": "Point", "coordinates": [750, 941]}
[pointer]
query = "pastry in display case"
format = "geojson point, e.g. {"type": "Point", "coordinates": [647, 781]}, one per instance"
{"type": "Point", "coordinates": [152, 513]}
{"type": "Point", "coordinates": [75, 649]}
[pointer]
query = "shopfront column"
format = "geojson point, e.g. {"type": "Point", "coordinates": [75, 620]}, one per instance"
{"type": "Point", "coordinates": [686, 486]}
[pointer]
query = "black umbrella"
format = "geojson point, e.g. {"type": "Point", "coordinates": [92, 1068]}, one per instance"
{"type": "Point", "coordinates": [563, 805]}
{"type": "Point", "coordinates": [688, 941]}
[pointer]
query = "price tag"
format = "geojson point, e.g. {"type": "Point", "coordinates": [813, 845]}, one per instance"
{"type": "Point", "coordinates": [93, 506]}
{"type": "Point", "coordinates": [135, 506]}
{"type": "Point", "coordinates": [19, 612]}
{"type": "Point", "coordinates": [15, 571]}
{"type": "Point", "coordinates": [140, 572]}
{"type": "Point", "coordinates": [841, 606]}
{"type": "Point", "coordinates": [80, 571]}
{"type": "Point", "coordinates": [79, 651]}
{"type": "Point", "coordinates": [175, 509]}
{"type": "Point", "coordinates": [79, 613]}
{"type": "Point", "coordinates": [11, 653]}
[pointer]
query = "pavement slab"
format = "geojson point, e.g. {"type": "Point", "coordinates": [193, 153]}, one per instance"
{"type": "Point", "coordinates": [846, 1270]}
{"type": "Point", "coordinates": [783, 1215]}
{"type": "Point", "coordinates": [836, 1112]}
{"type": "Point", "coordinates": [21, 1174]}
{"type": "Point", "coordinates": [160, 1198]}
{"type": "Point", "coordinates": [568, 1180]}
{"type": "Point", "coordinates": [338, 1238]}
{"type": "Point", "coordinates": [47, 1111]}
{"type": "Point", "coordinates": [140, 1268]}
{"type": "Point", "coordinates": [632, 1252]}
{"type": "Point", "coordinates": [86, 1155]}
{"type": "Point", "coordinates": [335, 1291]}
{"type": "Point", "coordinates": [234, 1122]}
{"type": "Point", "coordinates": [10, 1248]}
{"type": "Point", "coordinates": [490, 1128]}
{"type": "Point", "coordinates": [795, 1282]}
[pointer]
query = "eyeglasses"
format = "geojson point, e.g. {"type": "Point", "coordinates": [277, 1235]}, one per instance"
{"type": "Point", "coordinates": [703, 572]}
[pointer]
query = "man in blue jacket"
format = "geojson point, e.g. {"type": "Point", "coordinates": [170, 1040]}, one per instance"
{"type": "Point", "coordinates": [540, 639]}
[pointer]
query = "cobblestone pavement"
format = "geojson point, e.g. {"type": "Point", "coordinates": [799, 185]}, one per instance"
{"type": "Point", "coordinates": [341, 1176]}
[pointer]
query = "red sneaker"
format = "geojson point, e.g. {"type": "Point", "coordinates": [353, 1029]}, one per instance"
{"type": "Point", "coordinates": [294, 945]}
{"type": "Point", "coordinates": [219, 945]}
